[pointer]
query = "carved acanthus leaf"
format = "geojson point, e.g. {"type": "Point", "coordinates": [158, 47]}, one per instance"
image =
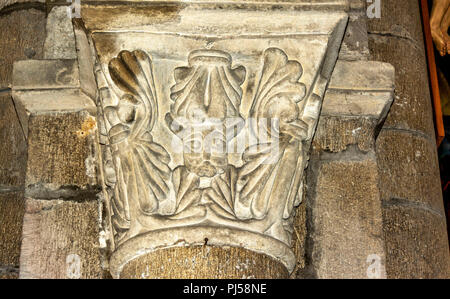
{"type": "Point", "coordinates": [276, 99]}
{"type": "Point", "coordinates": [142, 164]}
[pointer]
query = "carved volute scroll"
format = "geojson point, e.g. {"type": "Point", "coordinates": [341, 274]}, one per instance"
{"type": "Point", "coordinates": [207, 142]}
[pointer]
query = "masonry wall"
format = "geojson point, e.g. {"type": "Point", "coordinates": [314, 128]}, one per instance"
{"type": "Point", "coordinates": [413, 213]}
{"type": "Point", "coordinates": [22, 32]}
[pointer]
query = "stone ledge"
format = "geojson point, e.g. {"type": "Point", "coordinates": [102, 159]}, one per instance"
{"type": "Point", "coordinates": [45, 74]}
{"type": "Point", "coordinates": [362, 76]}
{"type": "Point", "coordinates": [360, 89]}
{"type": "Point", "coordinates": [39, 102]}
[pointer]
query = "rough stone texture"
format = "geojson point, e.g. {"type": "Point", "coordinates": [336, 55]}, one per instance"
{"type": "Point", "coordinates": [409, 168]}
{"type": "Point", "coordinates": [55, 229]}
{"type": "Point", "coordinates": [414, 229]}
{"type": "Point", "coordinates": [11, 211]}
{"type": "Point", "coordinates": [13, 152]}
{"type": "Point", "coordinates": [56, 101]}
{"type": "Point", "coordinates": [60, 154]}
{"type": "Point", "coordinates": [355, 45]}
{"type": "Point", "coordinates": [206, 262]}
{"type": "Point", "coordinates": [416, 243]}
{"type": "Point", "coordinates": [334, 134]}
{"type": "Point", "coordinates": [344, 215]}
{"type": "Point", "coordinates": [23, 35]}
{"type": "Point", "coordinates": [412, 108]}
{"type": "Point", "coordinates": [401, 19]}
{"type": "Point", "coordinates": [60, 41]}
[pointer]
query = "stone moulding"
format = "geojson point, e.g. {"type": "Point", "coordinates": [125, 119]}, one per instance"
{"type": "Point", "coordinates": [195, 236]}
{"type": "Point", "coordinates": [194, 79]}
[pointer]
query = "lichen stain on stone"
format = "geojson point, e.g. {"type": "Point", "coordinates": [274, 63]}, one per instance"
{"type": "Point", "coordinates": [87, 127]}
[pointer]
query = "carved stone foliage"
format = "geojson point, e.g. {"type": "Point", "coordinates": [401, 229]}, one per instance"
{"type": "Point", "coordinates": [254, 198]}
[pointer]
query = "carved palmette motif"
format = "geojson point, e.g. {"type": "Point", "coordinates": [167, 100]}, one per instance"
{"type": "Point", "coordinates": [258, 196]}
{"type": "Point", "coordinates": [277, 97]}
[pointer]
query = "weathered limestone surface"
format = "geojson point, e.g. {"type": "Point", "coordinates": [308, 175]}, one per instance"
{"type": "Point", "coordinates": [46, 74]}
{"type": "Point", "coordinates": [337, 233]}
{"type": "Point", "coordinates": [13, 152]}
{"type": "Point", "coordinates": [61, 157]}
{"type": "Point", "coordinates": [413, 215]}
{"type": "Point", "coordinates": [60, 39]}
{"type": "Point", "coordinates": [345, 223]}
{"type": "Point", "coordinates": [54, 231]}
{"type": "Point", "coordinates": [192, 53]}
{"type": "Point", "coordinates": [23, 34]}
{"type": "Point", "coordinates": [11, 211]}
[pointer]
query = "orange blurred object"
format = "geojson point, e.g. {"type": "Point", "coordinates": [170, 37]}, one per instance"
{"type": "Point", "coordinates": [438, 120]}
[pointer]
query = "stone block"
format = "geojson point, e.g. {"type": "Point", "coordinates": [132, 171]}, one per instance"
{"type": "Point", "coordinates": [362, 76]}
{"type": "Point", "coordinates": [11, 216]}
{"type": "Point", "coordinates": [416, 243]}
{"type": "Point", "coordinates": [358, 98]}
{"type": "Point", "coordinates": [23, 35]}
{"type": "Point", "coordinates": [60, 239]}
{"type": "Point", "coordinates": [86, 61]}
{"type": "Point", "coordinates": [46, 74]}
{"type": "Point", "coordinates": [401, 19]}
{"type": "Point", "coordinates": [345, 220]}
{"type": "Point", "coordinates": [60, 40]}
{"type": "Point", "coordinates": [409, 168]}
{"type": "Point", "coordinates": [13, 152]}
{"type": "Point", "coordinates": [360, 89]}
{"type": "Point", "coordinates": [299, 237]}
{"type": "Point", "coordinates": [61, 158]}
{"type": "Point", "coordinates": [335, 134]}
{"type": "Point", "coordinates": [57, 101]}
{"type": "Point", "coordinates": [355, 44]}
{"type": "Point", "coordinates": [412, 106]}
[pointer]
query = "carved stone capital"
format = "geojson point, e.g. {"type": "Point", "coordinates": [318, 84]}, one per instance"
{"type": "Point", "coordinates": [206, 118]}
